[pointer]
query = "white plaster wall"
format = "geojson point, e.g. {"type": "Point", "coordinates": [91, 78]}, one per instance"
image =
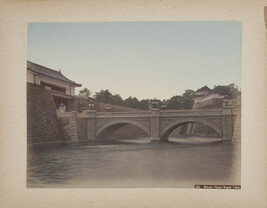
{"type": "Point", "coordinates": [70, 90]}
{"type": "Point", "coordinates": [30, 76]}
{"type": "Point", "coordinates": [202, 93]}
{"type": "Point", "coordinates": [209, 97]}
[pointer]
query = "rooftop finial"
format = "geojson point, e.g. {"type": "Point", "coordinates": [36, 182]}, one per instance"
{"type": "Point", "coordinates": [59, 71]}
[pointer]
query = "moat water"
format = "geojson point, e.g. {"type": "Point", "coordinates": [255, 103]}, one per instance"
{"type": "Point", "coordinates": [136, 163]}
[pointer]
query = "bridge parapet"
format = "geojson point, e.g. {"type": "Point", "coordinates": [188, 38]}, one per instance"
{"type": "Point", "coordinates": [124, 114]}
{"type": "Point", "coordinates": [199, 112]}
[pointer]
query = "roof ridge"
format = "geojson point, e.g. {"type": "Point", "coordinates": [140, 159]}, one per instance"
{"type": "Point", "coordinates": [44, 66]}
{"type": "Point", "coordinates": [66, 77]}
{"type": "Point", "coordinates": [56, 73]}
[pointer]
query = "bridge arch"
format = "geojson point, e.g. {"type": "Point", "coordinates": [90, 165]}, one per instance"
{"type": "Point", "coordinates": [116, 124]}
{"type": "Point", "coordinates": [167, 130]}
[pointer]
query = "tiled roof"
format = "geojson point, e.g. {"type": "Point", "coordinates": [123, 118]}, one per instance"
{"type": "Point", "coordinates": [205, 88]}
{"type": "Point", "coordinates": [49, 72]}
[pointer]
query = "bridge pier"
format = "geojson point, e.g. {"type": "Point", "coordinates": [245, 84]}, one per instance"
{"type": "Point", "coordinates": [227, 125]}
{"type": "Point", "coordinates": [155, 125]}
{"type": "Point", "coordinates": [91, 125]}
{"type": "Point", "coordinates": [154, 139]}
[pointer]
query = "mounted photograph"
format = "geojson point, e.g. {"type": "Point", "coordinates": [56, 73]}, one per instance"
{"type": "Point", "coordinates": [134, 104]}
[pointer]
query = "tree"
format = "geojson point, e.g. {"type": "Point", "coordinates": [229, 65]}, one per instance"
{"type": "Point", "coordinates": [229, 90]}
{"type": "Point", "coordinates": [189, 94]}
{"type": "Point", "coordinates": [85, 92]}
{"type": "Point", "coordinates": [131, 102]}
{"type": "Point", "coordinates": [175, 102]}
{"type": "Point", "coordinates": [144, 104]}
{"type": "Point", "coordinates": [117, 100]}
{"type": "Point", "coordinates": [184, 101]}
{"type": "Point", "coordinates": [103, 96]}
{"type": "Point", "coordinates": [188, 99]}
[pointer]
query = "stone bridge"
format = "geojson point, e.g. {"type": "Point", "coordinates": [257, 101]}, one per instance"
{"type": "Point", "coordinates": [157, 124]}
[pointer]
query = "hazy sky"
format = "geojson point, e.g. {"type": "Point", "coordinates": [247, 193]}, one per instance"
{"type": "Point", "coordinates": [140, 59]}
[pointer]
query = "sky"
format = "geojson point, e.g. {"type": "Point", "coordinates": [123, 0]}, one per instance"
{"type": "Point", "coordinates": [140, 59]}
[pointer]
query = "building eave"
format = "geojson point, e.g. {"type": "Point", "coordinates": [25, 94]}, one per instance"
{"type": "Point", "coordinates": [45, 71]}
{"type": "Point", "coordinates": [71, 83]}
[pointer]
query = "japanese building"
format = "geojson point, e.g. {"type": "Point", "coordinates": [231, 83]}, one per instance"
{"type": "Point", "coordinates": [62, 88]}
{"type": "Point", "coordinates": [207, 97]}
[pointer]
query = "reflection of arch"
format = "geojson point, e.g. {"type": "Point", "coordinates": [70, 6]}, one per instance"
{"type": "Point", "coordinates": [166, 131]}
{"type": "Point", "coordinates": [116, 124]}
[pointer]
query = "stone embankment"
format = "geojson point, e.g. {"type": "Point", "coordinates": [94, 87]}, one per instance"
{"type": "Point", "coordinates": [42, 123]}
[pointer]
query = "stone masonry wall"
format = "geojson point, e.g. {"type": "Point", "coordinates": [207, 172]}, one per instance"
{"type": "Point", "coordinates": [69, 126]}
{"type": "Point", "coordinates": [74, 129]}
{"type": "Point", "coordinates": [42, 123]}
{"type": "Point", "coordinates": [81, 129]}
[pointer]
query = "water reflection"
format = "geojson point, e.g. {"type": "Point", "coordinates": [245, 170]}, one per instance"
{"type": "Point", "coordinates": [134, 163]}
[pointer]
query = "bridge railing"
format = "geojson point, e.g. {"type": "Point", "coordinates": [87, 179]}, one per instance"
{"type": "Point", "coordinates": [162, 113]}
{"type": "Point", "coordinates": [192, 112]}
{"type": "Point", "coordinates": [187, 112]}
{"type": "Point", "coordinates": [129, 114]}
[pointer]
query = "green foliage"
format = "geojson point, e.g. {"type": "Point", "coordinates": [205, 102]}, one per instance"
{"type": "Point", "coordinates": [85, 92]}
{"type": "Point", "coordinates": [176, 102]}
{"type": "Point", "coordinates": [104, 96]}
{"type": "Point", "coordinates": [117, 100]}
{"type": "Point", "coordinates": [229, 90]}
{"type": "Point", "coordinates": [184, 101]}
{"type": "Point", "coordinates": [131, 102]}
{"type": "Point", "coordinates": [143, 104]}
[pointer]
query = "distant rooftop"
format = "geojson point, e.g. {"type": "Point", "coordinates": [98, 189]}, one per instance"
{"type": "Point", "coordinates": [205, 88]}
{"type": "Point", "coordinates": [49, 72]}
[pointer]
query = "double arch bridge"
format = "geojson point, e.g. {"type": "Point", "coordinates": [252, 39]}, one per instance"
{"type": "Point", "coordinates": [157, 124]}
